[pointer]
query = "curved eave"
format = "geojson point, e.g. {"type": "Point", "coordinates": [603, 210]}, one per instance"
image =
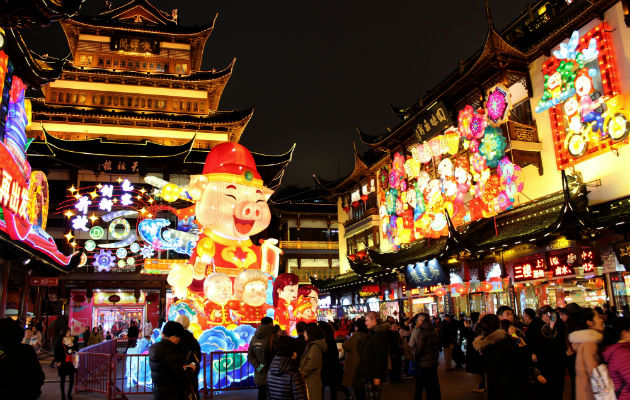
{"type": "Point", "coordinates": [26, 13]}
{"type": "Point", "coordinates": [198, 76]}
{"type": "Point", "coordinates": [372, 140]}
{"type": "Point", "coordinates": [162, 16]}
{"type": "Point", "coordinates": [353, 178]}
{"type": "Point", "coordinates": [174, 30]}
{"type": "Point", "coordinates": [240, 117]}
{"type": "Point", "coordinates": [31, 67]}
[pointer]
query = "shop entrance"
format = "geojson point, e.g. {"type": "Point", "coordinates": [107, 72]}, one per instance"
{"type": "Point", "coordinates": [117, 319]}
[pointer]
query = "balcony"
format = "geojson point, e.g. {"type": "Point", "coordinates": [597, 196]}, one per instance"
{"type": "Point", "coordinates": [308, 244]}
{"type": "Point", "coordinates": [362, 211]}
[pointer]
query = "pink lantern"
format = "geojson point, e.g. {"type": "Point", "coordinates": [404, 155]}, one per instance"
{"type": "Point", "coordinates": [436, 147]}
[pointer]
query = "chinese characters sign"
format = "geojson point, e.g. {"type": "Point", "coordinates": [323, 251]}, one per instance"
{"type": "Point", "coordinates": [433, 121]}
{"type": "Point", "coordinates": [582, 94]}
{"type": "Point", "coordinates": [119, 166]}
{"type": "Point", "coordinates": [531, 268]}
{"type": "Point", "coordinates": [132, 44]}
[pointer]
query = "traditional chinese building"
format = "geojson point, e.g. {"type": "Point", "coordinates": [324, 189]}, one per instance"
{"type": "Point", "coordinates": [546, 235]}
{"type": "Point", "coordinates": [131, 101]}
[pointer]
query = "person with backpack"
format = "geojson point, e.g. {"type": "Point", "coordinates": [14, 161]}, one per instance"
{"type": "Point", "coordinates": [426, 344]}
{"type": "Point", "coordinates": [260, 354]}
{"type": "Point", "coordinates": [617, 356]}
{"type": "Point", "coordinates": [585, 343]}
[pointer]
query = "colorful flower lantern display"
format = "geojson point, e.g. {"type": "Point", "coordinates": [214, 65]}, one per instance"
{"type": "Point", "coordinates": [492, 146]}
{"type": "Point", "coordinates": [421, 211]}
{"type": "Point", "coordinates": [498, 105]}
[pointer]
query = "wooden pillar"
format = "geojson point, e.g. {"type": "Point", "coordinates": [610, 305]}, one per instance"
{"type": "Point", "coordinates": [5, 287]}
{"type": "Point", "coordinates": [163, 300]}
{"type": "Point", "coordinates": [23, 308]}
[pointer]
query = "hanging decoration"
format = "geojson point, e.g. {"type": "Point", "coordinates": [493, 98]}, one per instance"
{"type": "Point", "coordinates": [582, 95]}
{"type": "Point", "coordinates": [472, 180]}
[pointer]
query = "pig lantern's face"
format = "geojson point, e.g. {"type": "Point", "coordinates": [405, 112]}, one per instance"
{"type": "Point", "coordinates": [231, 209]}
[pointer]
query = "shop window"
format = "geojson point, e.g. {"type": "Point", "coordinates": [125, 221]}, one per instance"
{"type": "Point", "coordinates": [144, 102]}
{"type": "Point", "coordinates": [94, 100]}
{"type": "Point", "coordinates": [137, 64]}
{"type": "Point", "coordinates": [128, 101]}
{"type": "Point", "coordinates": [161, 104]}
{"type": "Point", "coordinates": [82, 99]}
{"type": "Point", "coordinates": [75, 98]}
{"type": "Point", "coordinates": [68, 95]}
{"type": "Point", "coordinates": [188, 106]}
{"type": "Point", "coordinates": [109, 100]}
{"type": "Point", "coordinates": [100, 62]}
{"type": "Point", "coordinates": [123, 63]}
{"type": "Point", "coordinates": [144, 65]}
{"type": "Point", "coordinates": [60, 98]}
{"type": "Point", "coordinates": [115, 62]}
{"type": "Point", "coordinates": [196, 106]}
{"type": "Point", "coordinates": [136, 102]}
{"type": "Point", "coordinates": [150, 103]}
{"type": "Point", "coordinates": [102, 100]}
{"type": "Point", "coordinates": [151, 66]}
{"type": "Point", "coordinates": [115, 101]}
{"type": "Point", "coordinates": [108, 62]}
{"type": "Point", "coordinates": [175, 105]}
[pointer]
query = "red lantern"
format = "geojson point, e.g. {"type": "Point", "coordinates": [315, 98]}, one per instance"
{"type": "Point", "coordinates": [78, 298]}
{"type": "Point", "coordinates": [346, 209]}
{"type": "Point", "coordinates": [485, 286]}
{"type": "Point", "coordinates": [361, 254]}
{"type": "Point", "coordinates": [352, 257]}
{"type": "Point", "coordinates": [461, 289]}
{"type": "Point", "coordinates": [364, 197]}
{"type": "Point", "coordinates": [440, 291]}
{"type": "Point", "coordinates": [355, 204]}
{"type": "Point", "coordinates": [114, 298]}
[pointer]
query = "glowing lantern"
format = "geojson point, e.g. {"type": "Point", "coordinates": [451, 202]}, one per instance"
{"type": "Point", "coordinates": [346, 209]}
{"type": "Point", "coordinates": [461, 289]}
{"type": "Point", "coordinates": [352, 257]}
{"type": "Point", "coordinates": [364, 197]}
{"type": "Point", "coordinates": [478, 124]}
{"type": "Point", "coordinates": [170, 192]}
{"type": "Point", "coordinates": [498, 105]}
{"type": "Point", "coordinates": [425, 154]}
{"type": "Point", "coordinates": [355, 204]}
{"type": "Point", "coordinates": [464, 119]}
{"type": "Point", "coordinates": [452, 142]}
{"type": "Point", "coordinates": [436, 147]}
{"type": "Point", "coordinates": [440, 291]}
{"type": "Point", "coordinates": [180, 277]}
{"type": "Point", "coordinates": [205, 249]}
{"type": "Point", "coordinates": [485, 286]}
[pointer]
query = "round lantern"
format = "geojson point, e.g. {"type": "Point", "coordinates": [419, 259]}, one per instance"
{"type": "Point", "coordinates": [355, 204]}
{"type": "Point", "coordinates": [364, 197]}
{"type": "Point", "coordinates": [461, 289]}
{"type": "Point", "coordinates": [440, 291]}
{"type": "Point", "coordinates": [352, 257]}
{"type": "Point", "coordinates": [346, 209]}
{"type": "Point", "coordinates": [170, 192]}
{"type": "Point", "coordinates": [485, 286]}
{"type": "Point", "coordinates": [114, 298]}
{"type": "Point", "coordinates": [78, 298]}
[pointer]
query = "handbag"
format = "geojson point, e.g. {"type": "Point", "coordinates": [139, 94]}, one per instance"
{"type": "Point", "coordinates": [601, 384]}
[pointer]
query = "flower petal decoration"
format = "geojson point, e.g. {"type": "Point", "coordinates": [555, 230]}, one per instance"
{"type": "Point", "coordinates": [464, 119]}
{"type": "Point", "coordinates": [492, 146]}
{"type": "Point", "coordinates": [498, 105]}
{"type": "Point", "coordinates": [478, 124]}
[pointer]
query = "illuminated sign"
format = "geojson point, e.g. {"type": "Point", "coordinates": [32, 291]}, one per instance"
{"type": "Point", "coordinates": [562, 263]}
{"type": "Point", "coordinates": [582, 94]}
{"type": "Point", "coordinates": [44, 281]}
{"type": "Point", "coordinates": [588, 260]}
{"type": "Point", "coordinates": [529, 268]}
{"type": "Point", "coordinates": [160, 266]}
{"type": "Point", "coordinates": [132, 44]}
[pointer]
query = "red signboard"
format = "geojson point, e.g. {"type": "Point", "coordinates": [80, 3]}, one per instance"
{"type": "Point", "coordinates": [529, 268]}
{"type": "Point", "coordinates": [44, 281]}
{"type": "Point", "coordinates": [562, 263]}
{"type": "Point", "coordinates": [371, 288]}
{"type": "Point", "coordinates": [588, 260]}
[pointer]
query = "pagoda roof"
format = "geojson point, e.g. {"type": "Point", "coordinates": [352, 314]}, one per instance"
{"type": "Point", "coordinates": [360, 170]}
{"type": "Point", "coordinates": [31, 67]}
{"type": "Point", "coordinates": [197, 76]}
{"type": "Point", "coordinates": [216, 117]}
{"type": "Point", "coordinates": [142, 8]}
{"type": "Point", "coordinates": [25, 13]}
{"type": "Point", "coordinates": [82, 153]}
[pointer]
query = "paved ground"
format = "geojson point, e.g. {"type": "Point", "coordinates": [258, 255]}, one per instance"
{"type": "Point", "coordinates": [456, 385]}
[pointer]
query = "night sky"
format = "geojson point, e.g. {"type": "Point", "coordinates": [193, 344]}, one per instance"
{"type": "Point", "coordinates": [318, 70]}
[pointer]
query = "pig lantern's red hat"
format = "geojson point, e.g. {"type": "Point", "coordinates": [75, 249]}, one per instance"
{"type": "Point", "coordinates": [231, 162]}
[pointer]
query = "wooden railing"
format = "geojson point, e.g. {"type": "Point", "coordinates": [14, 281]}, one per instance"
{"type": "Point", "coordinates": [308, 244]}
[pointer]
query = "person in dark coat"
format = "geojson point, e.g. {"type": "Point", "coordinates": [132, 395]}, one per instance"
{"type": "Point", "coordinates": [551, 353]}
{"type": "Point", "coordinates": [284, 381]}
{"type": "Point", "coordinates": [21, 375]}
{"type": "Point", "coordinates": [132, 333]}
{"type": "Point", "coordinates": [474, 361]}
{"type": "Point", "coordinates": [448, 336]}
{"type": "Point", "coordinates": [532, 327]}
{"type": "Point", "coordinates": [167, 367]}
{"type": "Point", "coordinates": [191, 351]}
{"type": "Point", "coordinates": [331, 369]}
{"type": "Point", "coordinates": [373, 358]}
{"type": "Point", "coordinates": [506, 363]}
{"type": "Point", "coordinates": [426, 345]}
{"type": "Point", "coordinates": [86, 336]}
{"type": "Point", "coordinates": [260, 354]}
{"type": "Point", "coordinates": [300, 344]}
{"type": "Point", "coordinates": [67, 345]}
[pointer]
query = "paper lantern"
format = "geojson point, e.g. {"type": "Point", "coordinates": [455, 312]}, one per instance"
{"type": "Point", "coordinates": [498, 104]}
{"type": "Point", "coordinates": [452, 142]}
{"type": "Point", "coordinates": [485, 286]}
{"type": "Point", "coordinates": [461, 289]}
{"type": "Point", "coordinates": [440, 291]}
{"type": "Point", "coordinates": [478, 124]}
{"type": "Point", "coordinates": [464, 119]}
{"type": "Point", "coordinates": [492, 146]}
{"type": "Point", "coordinates": [352, 257]}
{"type": "Point", "coordinates": [355, 204]}
{"type": "Point", "coordinates": [436, 147]}
{"type": "Point", "coordinates": [364, 197]}
{"type": "Point", "coordinates": [346, 209]}
{"type": "Point", "coordinates": [425, 154]}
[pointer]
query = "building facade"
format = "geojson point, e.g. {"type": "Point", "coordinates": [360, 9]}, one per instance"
{"type": "Point", "coordinates": [505, 184]}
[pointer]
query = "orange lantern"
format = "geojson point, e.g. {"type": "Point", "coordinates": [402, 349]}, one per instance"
{"type": "Point", "coordinates": [461, 289]}
{"type": "Point", "coordinates": [451, 140]}
{"type": "Point", "coordinates": [364, 197]}
{"type": "Point", "coordinates": [440, 291]}
{"type": "Point", "coordinates": [485, 286]}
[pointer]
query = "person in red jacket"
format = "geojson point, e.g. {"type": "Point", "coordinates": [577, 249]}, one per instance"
{"type": "Point", "coordinates": [617, 356]}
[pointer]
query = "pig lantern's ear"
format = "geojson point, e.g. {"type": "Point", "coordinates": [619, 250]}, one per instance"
{"type": "Point", "coordinates": [197, 186]}
{"type": "Point", "coordinates": [267, 192]}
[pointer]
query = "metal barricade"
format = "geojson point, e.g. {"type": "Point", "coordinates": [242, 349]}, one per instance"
{"type": "Point", "coordinates": [94, 372]}
{"type": "Point", "coordinates": [131, 375]}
